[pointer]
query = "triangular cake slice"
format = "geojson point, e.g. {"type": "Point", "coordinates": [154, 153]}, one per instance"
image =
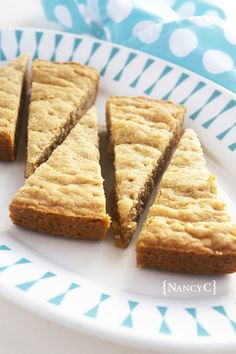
{"type": "Point", "coordinates": [188, 228]}
{"type": "Point", "coordinates": [61, 94]}
{"type": "Point", "coordinates": [142, 132]}
{"type": "Point", "coordinates": [12, 91]}
{"type": "Point", "coordinates": [65, 195]}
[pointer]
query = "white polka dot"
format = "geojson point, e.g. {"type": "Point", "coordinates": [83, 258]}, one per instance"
{"type": "Point", "coordinates": [85, 13]}
{"type": "Point", "coordinates": [202, 21]}
{"type": "Point", "coordinates": [63, 16]}
{"type": "Point", "coordinates": [212, 13]}
{"type": "Point", "coordinates": [205, 21]}
{"type": "Point", "coordinates": [118, 10]}
{"type": "Point", "coordinates": [182, 42]}
{"type": "Point", "coordinates": [187, 9]}
{"type": "Point", "coordinates": [169, 2]}
{"type": "Point", "coordinates": [147, 31]}
{"type": "Point", "coordinates": [230, 36]}
{"type": "Point", "coordinates": [217, 62]}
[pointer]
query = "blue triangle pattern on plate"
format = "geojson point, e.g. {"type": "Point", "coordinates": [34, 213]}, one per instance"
{"type": "Point", "coordinates": [2, 55]}
{"type": "Point", "coordinates": [57, 300]}
{"type": "Point", "coordinates": [233, 324]}
{"type": "Point", "coordinates": [27, 285]}
{"type": "Point", "coordinates": [225, 132]}
{"type": "Point", "coordinates": [57, 40]}
{"type": "Point", "coordinates": [192, 312]}
{"type": "Point", "coordinates": [38, 37]}
{"type": "Point", "coordinates": [198, 87]}
{"type": "Point", "coordinates": [164, 72]}
{"type": "Point", "coordinates": [18, 34]}
{"type": "Point", "coordinates": [128, 321]}
{"type": "Point", "coordinates": [201, 330]}
{"type": "Point", "coordinates": [3, 268]}
{"type": "Point", "coordinates": [181, 79]}
{"type": "Point", "coordinates": [76, 44]}
{"type": "Point", "coordinates": [148, 63]}
{"type": "Point", "coordinates": [94, 310]}
{"type": "Point", "coordinates": [4, 248]}
{"type": "Point", "coordinates": [114, 51]}
{"type": "Point", "coordinates": [95, 47]}
{"type": "Point", "coordinates": [48, 275]}
{"type": "Point", "coordinates": [162, 310]}
{"type": "Point", "coordinates": [212, 97]}
{"type": "Point", "coordinates": [20, 261]}
{"type": "Point", "coordinates": [132, 304]}
{"type": "Point", "coordinates": [230, 104]}
{"type": "Point", "coordinates": [131, 57]}
{"type": "Point", "coordinates": [104, 297]}
{"type": "Point", "coordinates": [73, 286]}
{"type": "Point", "coordinates": [220, 309]}
{"type": "Point", "coordinates": [232, 147]}
{"type": "Point", "coordinates": [164, 329]}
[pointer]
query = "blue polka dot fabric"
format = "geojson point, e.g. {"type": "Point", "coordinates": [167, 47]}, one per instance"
{"type": "Point", "coordinates": [194, 34]}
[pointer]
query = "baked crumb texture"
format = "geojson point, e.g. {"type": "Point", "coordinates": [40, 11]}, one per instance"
{"type": "Point", "coordinates": [61, 94]}
{"type": "Point", "coordinates": [65, 195]}
{"type": "Point", "coordinates": [142, 132]}
{"type": "Point", "coordinates": [12, 91]}
{"type": "Point", "coordinates": [188, 228]}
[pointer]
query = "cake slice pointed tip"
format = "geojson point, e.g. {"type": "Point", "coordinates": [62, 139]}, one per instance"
{"type": "Point", "coordinates": [142, 133]}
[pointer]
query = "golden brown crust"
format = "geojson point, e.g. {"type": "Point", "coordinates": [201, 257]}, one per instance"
{"type": "Point", "coordinates": [6, 147]}
{"type": "Point", "coordinates": [190, 262]}
{"type": "Point", "coordinates": [142, 132]}
{"type": "Point", "coordinates": [13, 80]}
{"type": "Point", "coordinates": [61, 94]}
{"type": "Point", "coordinates": [57, 224]}
{"type": "Point", "coordinates": [187, 222]}
{"type": "Point", "coordinates": [65, 195]}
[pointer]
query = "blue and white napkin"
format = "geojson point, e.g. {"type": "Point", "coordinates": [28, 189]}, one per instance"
{"type": "Point", "coordinates": [196, 34]}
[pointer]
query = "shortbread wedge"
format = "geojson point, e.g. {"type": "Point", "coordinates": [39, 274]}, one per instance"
{"type": "Point", "coordinates": [65, 195]}
{"type": "Point", "coordinates": [61, 94]}
{"type": "Point", "coordinates": [142, 133]}
{"type": "Point", "coordinates": [188, 228]}
{"type": "Point", "coordinates": [12, 92]}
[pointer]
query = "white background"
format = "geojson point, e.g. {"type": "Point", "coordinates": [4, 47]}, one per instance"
{"type": "Point", "coordinates": [20, 331]}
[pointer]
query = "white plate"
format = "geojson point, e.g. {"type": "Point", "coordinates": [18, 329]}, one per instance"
{"type": "Point", "coordinates": [93, 286]}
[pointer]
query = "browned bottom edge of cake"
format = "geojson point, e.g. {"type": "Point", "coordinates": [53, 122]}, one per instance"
{"type": "Point", "coordinates": [6, 147]}
{"type": "Point", "coordinates": [59, 225]}
{"type": "Point", "coordinates": [9, 144]}
{"type": "Point", "coordinates": [73, 120]}
{"type": "Point", "coordinates": [177, 261]}
{"type": "Point", "coordinates": [124, 235]}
